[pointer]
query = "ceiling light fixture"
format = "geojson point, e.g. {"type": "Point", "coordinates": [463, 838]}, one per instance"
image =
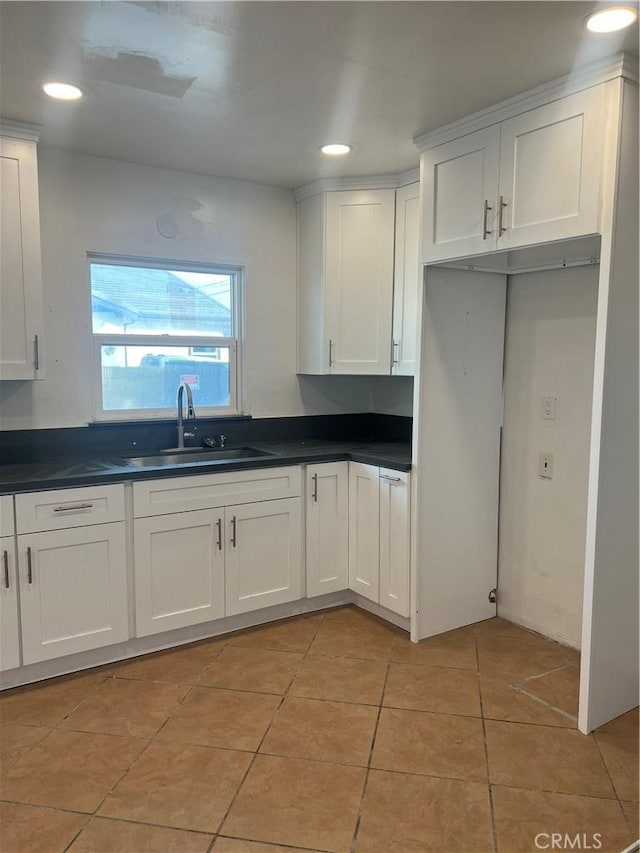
{"type": "Point", "coordinates": [335, 149]}
{"type": "Point", "coordinates": [62, 91]}
{"type": "Point", "coordinates": [612, 19]}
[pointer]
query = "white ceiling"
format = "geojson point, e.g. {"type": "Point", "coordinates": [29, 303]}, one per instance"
{"type": "Point", "coordinates": [251, 89]}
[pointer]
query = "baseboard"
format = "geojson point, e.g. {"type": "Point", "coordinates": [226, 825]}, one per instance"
{"type": "Point", "coordinates": [135, 646]}
{"type": "Point", "coordinates": [532, 625]}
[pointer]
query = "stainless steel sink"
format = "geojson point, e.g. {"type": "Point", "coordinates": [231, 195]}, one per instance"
{"type": "Point", "coordinates": [191, 455]}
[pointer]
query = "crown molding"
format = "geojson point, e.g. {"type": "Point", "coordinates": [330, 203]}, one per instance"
{"type": "Point", "coordinates": [620, 65]}
{"type": "Point", "coordinates": [20, 129]}
{"type": "Point", "coordinates": [368, 182]}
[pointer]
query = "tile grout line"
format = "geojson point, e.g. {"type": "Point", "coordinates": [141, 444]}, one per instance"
{"type": "Point", "coordinates": [606, 767]}
{"type": "Point", "coordinates": [356, 829]}
{"type": "Point", "coordinates": [142, 752]}
{"type": "Point", "coordinates": [262, 739]}
{"type": "Point", "coordinates": [494, 832]}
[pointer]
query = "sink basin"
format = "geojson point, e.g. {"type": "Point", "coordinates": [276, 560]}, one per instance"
{"type": "Point", "coordinates": [190, 456]}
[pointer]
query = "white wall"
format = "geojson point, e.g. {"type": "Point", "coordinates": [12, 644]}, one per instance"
{"type": "Point", "coordinates": [392, 395]}
{"type": "Point", "coordinates": [98, 205]}
{"type": "Point", "coordinates": [549, 351]}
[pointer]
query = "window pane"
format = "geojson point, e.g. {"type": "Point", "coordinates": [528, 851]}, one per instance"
{"type": "Point", "coordinates": [143, 377]}
{"type": "Point", "coordinates": [141, 300]}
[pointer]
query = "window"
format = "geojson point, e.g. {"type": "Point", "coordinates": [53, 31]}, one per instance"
{"type": "Point", "coordinates": [157, 325]}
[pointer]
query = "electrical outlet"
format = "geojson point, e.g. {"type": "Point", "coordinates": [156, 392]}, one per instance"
{"type": "Point", "coordinates": [545, 466]}
{"type": "Point", "coordinates": [549, 408]}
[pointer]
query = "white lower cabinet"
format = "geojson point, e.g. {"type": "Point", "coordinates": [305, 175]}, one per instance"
{"type": "Point", "coordinates": [364, 530]}
{"type": "Point", "coordinates": [394, 541]}
{"type": "Point", "coordinates": [379, 535]}
{"type": "Point", "coordinates": [193, 567]}
{"type": "Point", "coordinates": [327, 527]}
{"type": "Point", "coordinates": [9, 634]}
{"type": "Point", "coordinates": [179, 570]}
{"type": "Point", "coordinates": [210, 556]}
{"type": "Point", "coordinates": [263, 561]}
{"type": "Point", "coordinates": [73, 590]}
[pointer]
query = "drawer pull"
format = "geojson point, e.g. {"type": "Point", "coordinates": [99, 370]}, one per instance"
{"type": "Point", "coordinates": [5, 562]}
{"type": "Point", "coordinates": [219, 536]}
{"type": "Point", "coordinates": [390, 479]}
{"type": "Point", "coordinates": [233, 531]}
{"type": "Point", "coordinates": [72, 507]}
{"type": "Point", "coordinates": [314, 494]}
{"type": "Point", "coordinates": [29, 566]}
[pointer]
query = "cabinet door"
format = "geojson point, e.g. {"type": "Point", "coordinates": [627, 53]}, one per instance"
{"type": "Point", "coordinates": [460, 181]}
{"type": "Point", "coordinates": [551, 170]}
{"type": "Point", "coordinates": [20, 270]}
{"type": "Point", "coordinates": [73, 590]}
{"type": "Point", "coordinates": [359, 280]}
{"type": "Point", "coordinates": [406, 281]}
{"type": "Point", "coordinates": [394, 541]}
{"type": "Point", "coordinates": [9, 638]}
{"type": "Point", "coordinates": [179, 570]}
{"type": "Point", "coordinates": [263, 555]}
{"type": "Point", "coordinates": [327, 543]}
{"type": "Point", "coordinates": [364, 527]}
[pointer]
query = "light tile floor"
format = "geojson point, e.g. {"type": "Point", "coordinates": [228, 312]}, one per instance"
{"type": "Point", "coordinates": [327, 732]}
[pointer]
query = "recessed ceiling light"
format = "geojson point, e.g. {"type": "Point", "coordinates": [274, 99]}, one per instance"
{"type": "Point", "coordinates": [612, 19]}
{"type": "Point", "coordinates": [62, 91]}
{"type": "Point", "coordinates": [335, 149]}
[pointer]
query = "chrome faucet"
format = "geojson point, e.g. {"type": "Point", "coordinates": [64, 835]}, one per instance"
{"type": "Point", "coordinates": [191, 414]}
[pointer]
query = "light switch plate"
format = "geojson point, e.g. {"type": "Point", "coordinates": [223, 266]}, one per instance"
{"type": "Point", "coordinates": [545, 466]}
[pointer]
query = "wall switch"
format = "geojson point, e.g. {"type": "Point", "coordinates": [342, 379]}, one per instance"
{"type": "Point", "coordinates": [549, 408]}
{"type": "Point", "coordinates": [545, 466]}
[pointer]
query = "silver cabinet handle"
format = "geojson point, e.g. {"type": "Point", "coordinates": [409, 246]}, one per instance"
{"type": "Point", "coordinates": [501, 204]}
{"type": "Point", "coordinates": [314, 494]}
{"type": "Point", "coordinates": [5, 562]}
{"type": "Point", "coordinates": [71, 507]}
{"type": "Point", "coordinates": [219, 536]}
{"type": "Point", "coordinates": [395, 346]}
{"type": "Point", "coordinates": [330, 352]}
{"type": "Point", "coordinates": [485, 217]}
{"type": "Point", "coordinates": [36, 352]}
{"type": "Point", "coordinates": [390, 479]}
{"type": "Point", "coordinates": [233, 531]}
{"type": "Point", "coordinates": [29, 566]}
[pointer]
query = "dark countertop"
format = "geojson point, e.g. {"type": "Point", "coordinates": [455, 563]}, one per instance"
{"type": "Point", "coordinates": [66, 471]}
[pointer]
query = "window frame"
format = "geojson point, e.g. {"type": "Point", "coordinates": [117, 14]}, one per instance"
{"type": "Point", "coordinates": [235, 344]}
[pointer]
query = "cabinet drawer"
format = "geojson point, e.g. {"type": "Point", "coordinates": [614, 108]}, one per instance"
{"type": "Point", "coordinates": [6, 515]}
{"type": "Point", "coordinates": [62, 508]}
{"type": "Point", "coordinates": [181, 494]}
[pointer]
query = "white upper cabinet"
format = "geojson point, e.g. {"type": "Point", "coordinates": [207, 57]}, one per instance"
{"type": "Point", "coordinates": [406, 281]}
{"type": "Point", "coordinates": [550, 171]}
{"type": "Point", "coordinates": [461, 186]}
{"type": "Point", "coordinates": [529, 179]}
{"type": "Point", "coordinates": [20, 266]}
{"type": "Point", "coordinates": [345, 282]}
